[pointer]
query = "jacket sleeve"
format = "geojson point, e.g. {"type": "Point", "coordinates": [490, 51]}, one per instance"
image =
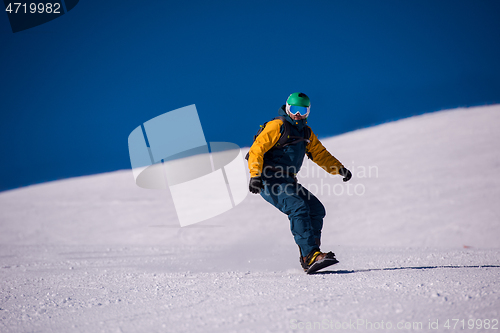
{"type": "Point", "coordinates": [319, 155]}
{"type": "Point", "coordinates": [265, 141]}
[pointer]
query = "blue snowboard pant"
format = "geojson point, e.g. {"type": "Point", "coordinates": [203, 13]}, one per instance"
{"type": "Point", "coordinates": [304, 210]}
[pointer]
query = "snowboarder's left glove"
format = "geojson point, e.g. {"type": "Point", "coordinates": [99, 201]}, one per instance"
{"type": "Point", "coordinates": [255, 185]}
{"type": "Point", "coordinates": [346, 174]}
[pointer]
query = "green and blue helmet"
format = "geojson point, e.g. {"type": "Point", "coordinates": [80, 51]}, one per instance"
{"type": "Point", "coordinates": [298, 103]}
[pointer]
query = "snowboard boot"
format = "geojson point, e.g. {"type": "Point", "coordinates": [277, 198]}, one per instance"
{"type": "Point", "coordinates": [317, 260]}
{"type": "Point", "coordinates": [318, 243]}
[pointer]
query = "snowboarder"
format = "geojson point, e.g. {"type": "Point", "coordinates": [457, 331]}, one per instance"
{"type": "Point", "coordinates": [274, 160]}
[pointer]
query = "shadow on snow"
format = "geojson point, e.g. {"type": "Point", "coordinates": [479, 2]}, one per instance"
{"type": "Point", "coordinates": [402, 268]}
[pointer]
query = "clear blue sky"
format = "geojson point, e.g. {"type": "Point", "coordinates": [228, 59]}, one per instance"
{"type": "Point", "coordinates": [73, 89]}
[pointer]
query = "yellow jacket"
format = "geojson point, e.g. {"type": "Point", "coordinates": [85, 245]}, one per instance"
{"type": "Point", "coordinates": [270, 136]}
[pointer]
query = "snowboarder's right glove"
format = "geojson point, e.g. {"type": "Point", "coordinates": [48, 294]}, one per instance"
{"type": "Point", "coordinates": [255, 185]}
{"type": "Point", "coordinates": [345, 173]}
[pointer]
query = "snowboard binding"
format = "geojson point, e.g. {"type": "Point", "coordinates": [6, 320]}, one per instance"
{"type": "Point", "coordinates": [317, 260]}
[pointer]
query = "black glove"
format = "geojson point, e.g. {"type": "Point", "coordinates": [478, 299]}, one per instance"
{"type": "Point", "coordinates": [255, 185]}
{"type": "Point", "coordinates": [345, 173]}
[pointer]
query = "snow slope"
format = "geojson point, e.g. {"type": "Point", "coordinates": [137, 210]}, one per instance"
{"type": "Point", "coordinates": [416, 231]}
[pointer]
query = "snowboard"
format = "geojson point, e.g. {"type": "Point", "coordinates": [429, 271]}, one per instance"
{"type": "Point", "coordinates": [320, 264]}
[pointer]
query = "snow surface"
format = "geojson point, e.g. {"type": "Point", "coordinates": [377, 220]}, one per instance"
{"type": "Point", "coordinates": [416, 231]}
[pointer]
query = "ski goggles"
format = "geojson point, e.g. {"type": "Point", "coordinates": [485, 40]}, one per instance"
{"type": "Point", "coordinates": [301, 110]}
